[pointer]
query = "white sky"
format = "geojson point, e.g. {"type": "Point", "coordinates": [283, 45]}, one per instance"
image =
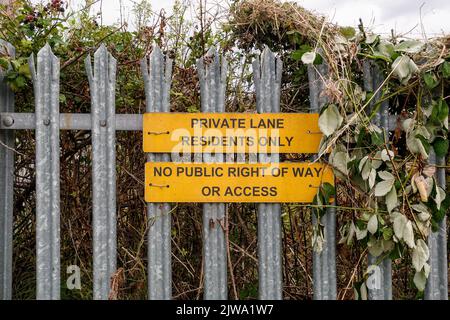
{"type": "Point", "coordinates": [380, 15]}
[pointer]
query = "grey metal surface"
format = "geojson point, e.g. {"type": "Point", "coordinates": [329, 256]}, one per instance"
{"type": "Point", "coordinates": [267, 73]}
{"type": "Point", "coordinates": [157, 72]}
{"type": "Point", "coordinates": [6, 185]}
{"type": "Point", "coordinates": [437, 284]}
{"type": "Point", "coordinates": [324, 262]}
{"type": "Point", "coordinates": [373, 79]}
{"type": "Point", "coordinates": [82, 121]}
{"type": "Point", "coordinates": [102, 84]}
{"type": "Point", "coordinates": [212, 72]}
{"type": "Point", "coordinates": [68, 121]}
{"type": "Point", "coordinates": [46, 91]}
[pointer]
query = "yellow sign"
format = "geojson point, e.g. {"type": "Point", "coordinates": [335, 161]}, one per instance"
{"type": "Point", "coordinates": [231, 133]}
{"type": "Point", "coordinates": [226, 182]}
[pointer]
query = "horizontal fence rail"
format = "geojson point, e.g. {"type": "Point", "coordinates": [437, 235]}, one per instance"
{"type": "Point", "coordinates": [103, 122]}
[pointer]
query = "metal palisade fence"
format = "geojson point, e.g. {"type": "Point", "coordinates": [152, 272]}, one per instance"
{"type": "Point", "coordinates": [103, 122]}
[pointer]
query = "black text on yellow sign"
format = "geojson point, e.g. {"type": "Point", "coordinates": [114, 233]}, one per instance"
{"type": "Point", "coordinates": [225, 182]}
{"type": "Point", "coordinates": [231, 133]}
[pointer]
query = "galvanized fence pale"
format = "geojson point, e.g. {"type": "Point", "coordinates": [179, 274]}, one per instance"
{"type": "Point", "coordinates": [157, 72]}
{"type": "Point", "coordinates": [103, 122]}
{"type": "Point", "coordinates": [6, 185]}
{"type": "Point", "coordinates": [267, 72]}
{"type": "Point", "coordinates": [212, 72]}
{"type": "Point", "coordinates": [46, 92]}
{"type": "Point", "coordinates": [102, 83]}
{"type": "Point", "coordinates": [324, 262]}
{"type": "Point", "coordinates": [373, 79]}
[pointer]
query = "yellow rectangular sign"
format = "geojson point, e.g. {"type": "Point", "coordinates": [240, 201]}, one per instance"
{"type": "Point", "coordinates": [227, 182]}
{"type": "Point", "coordinates": [231, 133]}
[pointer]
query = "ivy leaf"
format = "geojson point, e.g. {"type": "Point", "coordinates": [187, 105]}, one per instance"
{"type": "Point", "coordinates": [409, 46]}
{"type": "Point", "coordinates": [391, 200]}
{"type": "Point", "coordinates": [367, 169]}
{"type": "Point", "coordinates": [442, 110]}
{"type": "Point", "coordinates": [387, 155]}
{"type": "Point", "coordinates": [440, 196]}
{"type": "Point", "coordinates": [420, 280]}
{"type": "Point", "coordinates": [330, 120]}
{"type": "Point", "coordinates": [383, 187]}
{"type": "Point", "coordinates": [377, 138]}
{"type": "Point", "coordinates": [399, 225]}
{"type": "Point", "coordinates": [376, 161]}
{"type": "Point", "coordinates": [431, 81]}
{"type": "Point", "coordinates": [386, 49]}
{"type": "Point", "coordinates": [375, 247]}
{"type": "Point", "coordinates": [371, 38]}
{"type": "Point", "coordinates": [372, 225]}
{"type": "Point", "coordinates": [308, 57]}
{"type": "Point", "coordinates": [360, 234]}
{"type": "Point", "coordinates": [403, 68]}
{"type": "Point", "coordinates": [386, 175]}
{"type": "Point", "coordinates": [446, 69]}
{"type": "Point", "coordinates": [440, 146]}
{"type": "Point", "coordinates": [420, 255]}
{"type": "Point", "coordinates": [340, 160]}
{"type": "Point", "coordinates": [372, 177]}
{"type": "Point", "coordinates": [417, 143]}
{"type": "Point", "coordinates": [408, 234]}
{"type": "Point", "coordinates": [362, 162]}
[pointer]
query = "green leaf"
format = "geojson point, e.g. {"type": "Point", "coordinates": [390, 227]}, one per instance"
{"type": "Point", "coordinates": [330, 120]}
{"type": "Point", "coordinates": [440, 146]}
{"type": "Point", "coordinates": [425, 144]}
{"type": "Point", "coordinates": [409, 46]}
{"type": "Point", "coordinates": [446, 69]}
{"type": "Point", "coordinates": [442, 110]}
{"type": "Point", "coordinates": [420, 280]}
{"type": "Point", "coordinates": [372, 225]}
{"type": "Point", "coordinates": [386, 49]}
{"type": "Point", "coordinates": [4, 63]}
{"type": "Point", "coordinates": [348, 32]}
{"type": "Point", "coordinates": [372, 38]}
{"type": "Point", "coordinates": [403, 68]}
{"type": "Point", "coordinates": [328, 190]}
{"type": "Point", "coordinates": [408, 234]}
{"type": "Point", "coordinates": [431, 81]}
{"type": "Point", "coordinates": [440, 196]}
{"type": "Point", "coordinates": [25, 70]}
{"type": "Point", "coordinates": [377, 138]}
{"type": "Point", "coordinates": [340, 160]}
{"type": "Point", "coordinates": [391, 200]}
{"type": "Point", "coordinates": [387, 233]}
{"type": "Point", "coordinates": [382, 188]}
{"type": "Point", "coordinates": [297, 54]}
{"type": "Point", "coordinates": [420, 255]}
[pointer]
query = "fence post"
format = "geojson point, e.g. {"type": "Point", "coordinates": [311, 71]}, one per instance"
{"type": "Point", "coordinates": [212, 70]}
{"type": "Point", "coordinates": [267, 76]}
{"type": "Point", "coordinates": [437, 283]}
{"type": "Point", "coordinates": [373, 79]}
{"type": "Point", "coordinates": [46, 91]}
{"type": "Point", "coordinates": [6, 184]}
{"type": "Point", "coordinates": [324, 262]}
{"type": "Point", "coordinates": [102, 84]}
{"type": "Point", "coordinates": [157, 72]}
